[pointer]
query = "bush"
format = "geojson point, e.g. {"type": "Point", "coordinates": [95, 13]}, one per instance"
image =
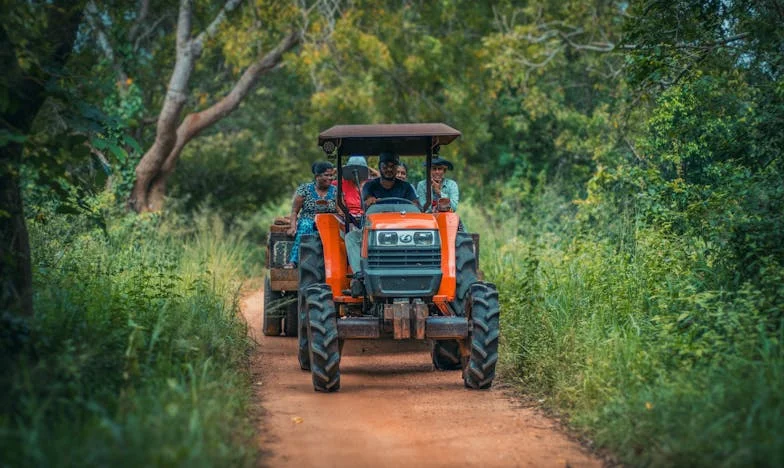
{"type": "Point", "coordinates": [136, 355]}
{"type": "Point", "coordinates": [638, 334]}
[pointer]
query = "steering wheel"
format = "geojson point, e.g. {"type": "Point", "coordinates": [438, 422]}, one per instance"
{"type": "Point", "coordinates": [394, 201]}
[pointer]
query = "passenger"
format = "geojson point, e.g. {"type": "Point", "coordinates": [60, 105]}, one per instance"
{"type": "Point", "coordinates": [441, 187]}
{"type": "Point", "coordinates": [402, 174]}
{"type": "Point", "coordinates": [386, 186]}
{"type": "Point", "coordinates": [311, 198]}
{"type": "Point", "coordinates": [351, 192]}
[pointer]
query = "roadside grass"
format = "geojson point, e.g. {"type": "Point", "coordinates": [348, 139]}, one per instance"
{"type": "Point", "coordinates": [136, 355]}
{"type": "Point", "coordinates": [637, 339]}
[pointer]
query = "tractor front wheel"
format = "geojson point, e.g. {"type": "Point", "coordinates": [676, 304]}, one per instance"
{"type": "Point", "coordinates": [323, 338]}
{"type": "Point", "coordinates": [446, 355]}
{"type": "Point", "coordinates": [485, 311]}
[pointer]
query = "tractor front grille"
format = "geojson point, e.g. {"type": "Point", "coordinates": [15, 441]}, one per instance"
{"type": "Point", "coordinates": [404, 257]}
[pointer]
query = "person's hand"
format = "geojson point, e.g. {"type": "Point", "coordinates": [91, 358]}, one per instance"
{"type": "Point", "coordinates": [370, 201]}
{"type": "Point", "coordinates": [292, 231]}
{"type": "Point", "coordinates": [437, 187]}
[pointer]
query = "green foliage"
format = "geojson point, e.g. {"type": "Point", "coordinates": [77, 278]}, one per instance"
{"type": "Point", "coordinates": [634, 333]}
{"type": "Point", "coordinates": [136, 355]}
{"type": "Point", "coordinates": [235, 173]}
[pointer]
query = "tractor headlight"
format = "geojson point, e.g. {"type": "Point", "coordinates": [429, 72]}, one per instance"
{"type": "Point", "coordinates": [387, 238]}
{"type": "Point", "coordinates": [424, 238]}
{"type": "Point", "coordinates": [406, 238]}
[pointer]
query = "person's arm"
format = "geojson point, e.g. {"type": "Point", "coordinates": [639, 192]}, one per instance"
{"type": "Point", "coordinates": [412, 195]}
{"type": "Point", "coordinates": [420, 193]}
{"type": "Point", "coordinates": [367, 195]}
{"type": "Point", "coordinates": [451, 191]}
{"type": "Point", "coordinates": [296, 205]}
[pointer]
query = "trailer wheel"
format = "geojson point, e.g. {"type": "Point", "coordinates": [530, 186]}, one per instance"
{"type": "Point", "coordinates": [446, 355]}
{"type": "Point", "coordinates": [485, 312]}
{"type": "Point", "coordinates": [271, 319]}
{"type": "Point", "coordinates": [323, 338]}
{"type": "Point", "coordinates": [465, 266]}
{"type": "Point", "coordinates": [292, 319]}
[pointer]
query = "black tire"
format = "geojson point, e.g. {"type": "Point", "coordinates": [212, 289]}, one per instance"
{"type": "Point", "coordinates": [292, 317]}
{"type": "Point", "coordinates": [465, 266]}
{"type": "Point", "coordinates": [303, 345]}
{"type": "Point", "coordinates": [271, 325]}
{"type": "Point", "coordinates": [323, 338]}
{"type": "Point", "coordinates": [311, 261]}
{"type": "Point", "coordinates": [311, 271]}
{"type": "Point", "coordinates": [446, 355]}
{"type": "Point", "coordinates": [485, 312]}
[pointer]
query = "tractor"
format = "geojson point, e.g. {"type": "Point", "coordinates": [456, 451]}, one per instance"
{"type": "Point", "coordinates": [419, 272]}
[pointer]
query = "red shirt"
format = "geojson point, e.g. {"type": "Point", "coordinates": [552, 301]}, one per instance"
{"type": "Point", "coordinates": [351, 196]}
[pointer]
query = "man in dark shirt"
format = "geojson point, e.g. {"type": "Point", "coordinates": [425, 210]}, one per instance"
{"type": "Point", "coordinates": [386, 186]}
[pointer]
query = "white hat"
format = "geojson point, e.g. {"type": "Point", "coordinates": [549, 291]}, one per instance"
{"type": "Point", "coordinates": [355, 163]}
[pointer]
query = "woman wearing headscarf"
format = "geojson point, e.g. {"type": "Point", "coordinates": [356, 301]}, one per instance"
{"type": "Point", "coordinates": [311, 198]}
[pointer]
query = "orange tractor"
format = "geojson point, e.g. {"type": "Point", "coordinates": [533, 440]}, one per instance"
{"type": "Point", "coordinates": [419, 272]}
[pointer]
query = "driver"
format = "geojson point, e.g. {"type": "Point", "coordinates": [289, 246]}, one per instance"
{"type": "Point", "coordinates": [386, 186]}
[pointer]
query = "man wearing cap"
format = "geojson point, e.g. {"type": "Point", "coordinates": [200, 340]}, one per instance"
{"type": "Point", "coordinates": [386, 186]}
{"type": "Point", "coordinates": [441, 187]}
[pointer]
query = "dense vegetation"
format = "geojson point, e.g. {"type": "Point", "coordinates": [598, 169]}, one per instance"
{"type": "Point", "coordinates": [622, 161]}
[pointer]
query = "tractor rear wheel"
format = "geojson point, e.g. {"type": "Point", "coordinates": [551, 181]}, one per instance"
{"type": "Point", "coordinates": [271, 319]}
{"type": "Point", "coordinates": [446, 355]}
{"type": "Point", "coordinates": [485, 312]}
{"type": "Point", "coordinates": [303, 345]}
{"type": "Point", "coordinates": [311, 271]}
{"type": "Point", "coordinates": [465, 270]}
{"type": "Point", "coordinates": [311, 261]}
{"type": "Point", "coordinates": [323, 338]}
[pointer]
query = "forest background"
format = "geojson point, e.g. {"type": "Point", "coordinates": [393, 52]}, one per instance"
{"type": "Point", "coordinates": [621, 161]}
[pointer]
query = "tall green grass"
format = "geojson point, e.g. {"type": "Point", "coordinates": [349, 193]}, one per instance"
{"type": "Point", "coordinates": [136, 355]}
{"type": "Point", "coordinates": [630, 332]}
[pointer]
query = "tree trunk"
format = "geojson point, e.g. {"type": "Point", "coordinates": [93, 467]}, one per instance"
{"type": "Point", "coordinates": [155, 167]}
{"type": "Point", "coordinates": [25, 94]}
{"type": "Point", "coordinates": [195, 123]}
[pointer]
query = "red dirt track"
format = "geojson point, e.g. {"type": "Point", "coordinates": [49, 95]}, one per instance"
{"type": "Point", "coordinates": [392, 410]}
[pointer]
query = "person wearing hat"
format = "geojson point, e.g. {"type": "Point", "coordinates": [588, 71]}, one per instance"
{"type": "Point", "coordinates": [356, 168]}
{"type": "Point", "coordinates": [311, 198]}
{"type": "Point", "coordinates": [375, 190]}
{"type": "Point", "coordinates": [441, 186]}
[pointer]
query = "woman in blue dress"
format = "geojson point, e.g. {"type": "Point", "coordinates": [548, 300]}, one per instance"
{"type": "Point", "coordinates": [311, 198]}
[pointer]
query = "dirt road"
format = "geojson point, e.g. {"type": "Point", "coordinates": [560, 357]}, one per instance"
{"type": "Point", "coordinates": [393, 410]}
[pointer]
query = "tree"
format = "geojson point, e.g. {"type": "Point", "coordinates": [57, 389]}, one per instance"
{"type": "Point", "coordinates": [33, 63]}
{"type": "Point", "coordinates": [172, 132]}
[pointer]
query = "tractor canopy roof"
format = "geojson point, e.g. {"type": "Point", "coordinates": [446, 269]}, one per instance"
{"type": "Point", "coordinates": [411, 139]}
